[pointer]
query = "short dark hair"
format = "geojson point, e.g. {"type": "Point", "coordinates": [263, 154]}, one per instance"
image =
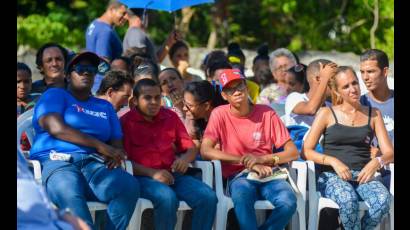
{"type": "Point", "coordinates": [135, 12]}
{"type": "Point", "coordinates": [127, 60]}
{"type": "Point", "coordinates": [141, 83]}
{"type": "Point", "coordinates": [23, 67]}
{"type": "Point", "coordinates": [114, 3]}
{"type": "Point", "coordinates": [40, 52]}
{"type": "Point", "coordinates": [175, 47]}
{"type": "Point", "coordinates": [114, 79]}
{"type": "Point", "coordinates": [376, 55]}
{"type": "Point", "coordinates": [314, 67]}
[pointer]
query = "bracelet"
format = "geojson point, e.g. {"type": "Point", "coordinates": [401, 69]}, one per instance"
{"type": "Point", "coordinates": [381, 162]}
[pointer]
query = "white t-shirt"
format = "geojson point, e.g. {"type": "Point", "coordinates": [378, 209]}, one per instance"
{"type": "Point", "coordinates": [296, 119]}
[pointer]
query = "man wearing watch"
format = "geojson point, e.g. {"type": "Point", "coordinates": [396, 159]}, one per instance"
{"type": "Point", "coordinates": [247, 133]}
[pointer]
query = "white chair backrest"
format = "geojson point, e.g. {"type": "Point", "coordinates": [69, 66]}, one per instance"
{"type": "Point", "coordinates": [24, 124]}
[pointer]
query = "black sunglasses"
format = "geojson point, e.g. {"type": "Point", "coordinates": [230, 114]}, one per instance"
{"type": "Point", "coordinates": [81, 69]}
{"type": "Point", "coordinates": [239, 87]}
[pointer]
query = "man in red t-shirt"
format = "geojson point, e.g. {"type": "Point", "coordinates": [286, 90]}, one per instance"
{"type": "Point", "coordinates": [153, 136]}
{"type": "Point", "coordinates": [247, 134]}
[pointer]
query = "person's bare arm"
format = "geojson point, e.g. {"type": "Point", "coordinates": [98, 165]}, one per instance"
{"type": "Point", "coordinates": [181, 163]}
{"type": "Point", "coordinates": [160, 175]}
{"type": "Point", "coordinates": [56, 127]}
{"type": "Point", "coordinates": [289, 153]}
{"type": "Point", "coordinates": [386, 147]}
{"type": "Point", "coordinates": [76, 222]}
{"type": "Point", "coordinates": [315, 102]}
{"type": "Point", "coordinates": [209, 152]}
{"type": "Point", "coordinates": [163, 50]}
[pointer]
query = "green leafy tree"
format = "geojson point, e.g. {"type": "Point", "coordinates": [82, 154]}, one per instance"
{"type": "Point", "coordinates": [342, 25]}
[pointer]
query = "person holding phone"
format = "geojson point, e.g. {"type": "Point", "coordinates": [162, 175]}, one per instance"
{"type": "Point", "coordinates": [160, 149]}
{"type": "Point", "coordinates": [70, 125]}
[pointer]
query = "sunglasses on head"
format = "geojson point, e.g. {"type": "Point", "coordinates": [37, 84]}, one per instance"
{"type": "Point", "coordinates": [81, 69]}
{"type": "Point", "coordinates": [297, 68]}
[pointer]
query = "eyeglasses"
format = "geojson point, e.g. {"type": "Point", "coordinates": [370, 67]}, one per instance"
{"type": "Point", "coordinates": [191, 107]}
{"type": "Point", "coordinates": [81, 69]}
{"type": "Point", "coordinates": [239, 87]}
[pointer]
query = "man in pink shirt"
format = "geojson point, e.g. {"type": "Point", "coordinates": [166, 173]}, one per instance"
{"type": "Point", "coordinates": [247, 134]}
{"type": "Point", "coordinates": [160, 150]}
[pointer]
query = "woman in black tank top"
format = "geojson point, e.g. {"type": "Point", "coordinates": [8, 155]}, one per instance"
{"type": "Point", "coordinates": [346, 168]}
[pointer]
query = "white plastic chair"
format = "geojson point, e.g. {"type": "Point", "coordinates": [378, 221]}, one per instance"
{"type": "Point", "coordinates": [317, 202]}
{"type": "Point", "coordinates": [143, 204]}
{"type": "Point", "coordinates": [24, 124]}
{"type": "Point", "coordinates": [225, 203]}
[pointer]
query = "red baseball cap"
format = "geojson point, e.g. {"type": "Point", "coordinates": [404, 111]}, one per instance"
{"type": "Point", "coordinates": [229, 75]}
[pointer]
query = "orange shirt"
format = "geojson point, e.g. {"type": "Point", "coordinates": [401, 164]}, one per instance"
{"type": "Point", "coordinates": [258, 133]}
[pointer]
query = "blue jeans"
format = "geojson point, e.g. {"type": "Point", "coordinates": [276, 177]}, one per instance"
{"type": "Point", "coordinates": [347, 195]}
{"type": "Point", "coordinates": [199, 196]}
{"type": "Point", "coordinates": [245, 193]}
{"type": "Point", "coordinates": [71, 185]}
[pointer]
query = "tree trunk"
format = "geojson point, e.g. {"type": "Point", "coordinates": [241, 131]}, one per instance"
{"type": "Point", "coordinates": [187, 14]}
{"type": "Point", "coordinates": [212, 40]}
{"type": "Point", "coordinates": [375, 24]}
{"type": "Point", "coordinates": [219, 27]}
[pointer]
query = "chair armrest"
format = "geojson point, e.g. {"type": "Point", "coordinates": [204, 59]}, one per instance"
{"type": "Point", "coordinates": [218, 178]}
{"type": "Point", "coordinates": [301, 179]}
{"type": "Point", "coordinates": [37, 169]}
{"type": "Point", "coordinates": [313, 194]}
{"type": "Point", "coordinates": [207, 171]}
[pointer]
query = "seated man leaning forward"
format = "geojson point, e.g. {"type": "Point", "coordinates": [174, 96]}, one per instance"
{"type": "Point", "coordinates": [160, 149]}
{"type": "Point", "coordinates": [247, 134]}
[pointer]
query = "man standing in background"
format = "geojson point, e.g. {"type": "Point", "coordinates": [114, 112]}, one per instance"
{"type": "Point", "coordinates": [136, 35]}
{"type": "Point", "coordinates": [101, 37]}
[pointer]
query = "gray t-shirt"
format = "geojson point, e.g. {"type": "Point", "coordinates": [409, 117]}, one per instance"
{"type": "Point", "coordinates": [387, 110]}
{"type": "Point", "coordinates": [135, 37]}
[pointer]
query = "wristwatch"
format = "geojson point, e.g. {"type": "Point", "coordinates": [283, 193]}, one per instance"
{"type": "Point", "coordinates": [275, 159]}
{"type": "Point", "coordinates": [62, 212]}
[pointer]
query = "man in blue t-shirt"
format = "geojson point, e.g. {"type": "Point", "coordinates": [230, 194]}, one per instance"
{"type": "Point", "coordinates": [101, 37]}
{"type": "Point", "coordinates": [374, 67]}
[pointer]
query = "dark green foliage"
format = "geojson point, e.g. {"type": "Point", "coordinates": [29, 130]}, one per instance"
{"type": "Point", "coordinates": [297, 24]}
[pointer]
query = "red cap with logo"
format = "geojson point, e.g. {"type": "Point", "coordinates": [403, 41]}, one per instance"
{"type": "Point", "coordinates": [229, 75]}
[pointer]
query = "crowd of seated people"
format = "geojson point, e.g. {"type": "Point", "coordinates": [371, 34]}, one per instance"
{"type": "Point", "coordinates": [163, 119]}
